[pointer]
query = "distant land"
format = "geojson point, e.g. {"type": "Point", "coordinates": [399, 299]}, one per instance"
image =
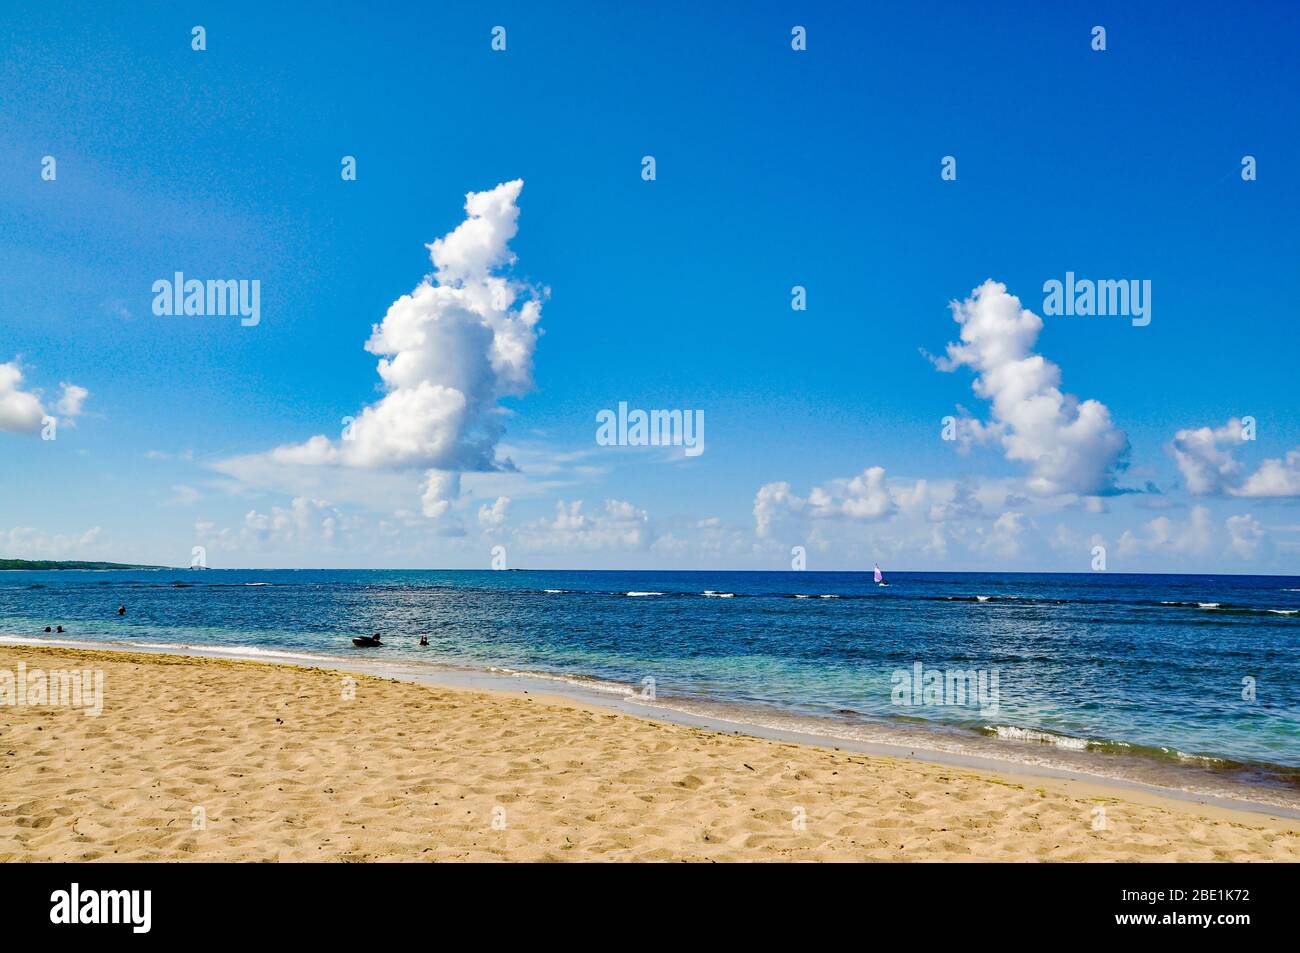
{"type": "Point", "coordinates": [66, 564]}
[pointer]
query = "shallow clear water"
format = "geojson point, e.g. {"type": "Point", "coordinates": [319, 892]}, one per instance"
{"type": "Point", "coordinates": [1100, 666]}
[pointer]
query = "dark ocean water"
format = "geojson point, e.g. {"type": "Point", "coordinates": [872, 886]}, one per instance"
{"type": "Point", "coordinates": [1192, 681]}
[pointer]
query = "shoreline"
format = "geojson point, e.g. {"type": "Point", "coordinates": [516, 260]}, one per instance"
{"type": "Point", "coordinates": [568, 691]}
{"type": "Point", "coordinates": [202, 759]}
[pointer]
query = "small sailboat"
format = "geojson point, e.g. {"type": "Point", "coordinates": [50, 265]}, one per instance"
{"type": "Point", "coordinates": [880, 577]}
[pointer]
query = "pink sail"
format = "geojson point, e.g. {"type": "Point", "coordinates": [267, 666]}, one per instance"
{"type": "Point", "coordinates": [879, 575]}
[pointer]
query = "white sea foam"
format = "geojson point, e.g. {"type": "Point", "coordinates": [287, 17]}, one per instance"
{"type": "Point", "coordinates": [23, 640]}
{"type": "Point", "coordinates": [1191, 758]}
{"type": "Point", "coordinates": [1012, 733]}
{"type": "Point", "coordinates": [577, 681]}
{"type": "Point", "coordinates": [236, 651]}
{"type": "Point", "coordinates": [718, 595]}
{"type": "Point", "coordinates": [983, 598]}
{"type": "Point", "coordinates": [643, 593]}
{"type": "Point", "coordinates": [1208, 605]}
{"type": "Point", "coordinates": [182, 648]}
{"type": "Point", "coordinates": [555, 590]}
{"type": "Point", "coordinates": [1195, 758]}
{"type": "Point", "coordinates": [1284, 611]}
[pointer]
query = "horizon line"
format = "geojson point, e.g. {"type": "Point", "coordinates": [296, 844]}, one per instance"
{"type": "Point", "coordinates": [865, 572]}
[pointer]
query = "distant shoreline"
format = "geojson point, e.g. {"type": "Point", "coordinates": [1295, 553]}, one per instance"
{"type": "Point", "coordinates": [46, 565]}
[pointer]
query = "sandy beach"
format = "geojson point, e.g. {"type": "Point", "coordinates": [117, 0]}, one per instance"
{"type": "Point", "coordinates": [216, 760]}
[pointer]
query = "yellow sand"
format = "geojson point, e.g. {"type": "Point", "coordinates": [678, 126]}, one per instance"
{"type": "Point", "coordinates": [199, 759]}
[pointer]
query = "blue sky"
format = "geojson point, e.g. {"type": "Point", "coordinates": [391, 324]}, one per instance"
{"type": "Point", "coordinates": [774, 168]}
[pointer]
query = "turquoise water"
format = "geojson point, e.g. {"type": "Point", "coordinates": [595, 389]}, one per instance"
{"type": "Point", "coordinates": [1192, 673]}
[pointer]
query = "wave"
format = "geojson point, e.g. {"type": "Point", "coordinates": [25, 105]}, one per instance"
{"type": "Point", "coordinates": [1026, 600]}
{"type": "Point", "coordinates": [643, 593]}
{"type": "Point", "coordinates": [7, 639]}
{"type": "Point", "coordinates": [1015, 733]}
{"type": "Point", "coordinates": [1195, 758]}
{"type": "Point", "coordinates": [1228, 608]}
{"type": "Point", "coordinates": [587, 682]}
{"type": "Point", "coordinates": [234, 651]}
{"type": "Point", "coordinates": [718, 595]}
{"type": "Point", "coordinates": [1108, 746]}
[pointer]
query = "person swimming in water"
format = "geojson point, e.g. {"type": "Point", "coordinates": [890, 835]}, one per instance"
{"type": "Point", "coordinates": [48, 629]}
{"type": "Point", "coordinates": [59, 629]}
{"type": "Point", "coordinates": [121, 610]}
{"type": "Point", "coordinates": [424, 640]}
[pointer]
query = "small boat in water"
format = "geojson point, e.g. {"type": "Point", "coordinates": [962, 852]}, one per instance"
{"type": "Point", "coordinates": [368, 641]}
{"type": "Point", "coordinates": [880, 577]}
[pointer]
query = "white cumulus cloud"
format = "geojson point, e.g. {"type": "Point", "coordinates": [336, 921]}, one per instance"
{"type": "Point", "coordinates": [448, 352]}
{"type": "Point", "coordinates": [1070, 446]}
{"type": "Point", "coordinates": [861, 498]}
{"type": "Point", "coordinates": [27, 542]}
{"type": "Point", "coordinates": [1164, 535]}
{"type": "Point", "coordinates": [1206, 459]}
{"type": "Point", "coordinates": [71, 400]}
{"type": "Point", "coordinates": [1244, 535]}
{"type": "Point", "coordinates": [1275, 477]}
{"type": "Point", "coordinates": [21, 411]}
{"type": "Point", "coordinates": [620, 526]}
{"type": "Point", "coordinates": [495, 515]}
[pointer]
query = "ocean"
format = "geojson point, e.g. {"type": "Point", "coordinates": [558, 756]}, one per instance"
{"type": "Point", "coordinates": [1186, 682]}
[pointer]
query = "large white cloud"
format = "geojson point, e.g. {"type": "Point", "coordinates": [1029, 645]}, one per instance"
{"type": "Point", "coordinates": [449, 351]}
{"type": "Point", "coordinates": [1070, 446]}
{"type": "Point", "coordinates": [21, 411]}
{"type": "Point", "coordinates": [1206, 459]}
